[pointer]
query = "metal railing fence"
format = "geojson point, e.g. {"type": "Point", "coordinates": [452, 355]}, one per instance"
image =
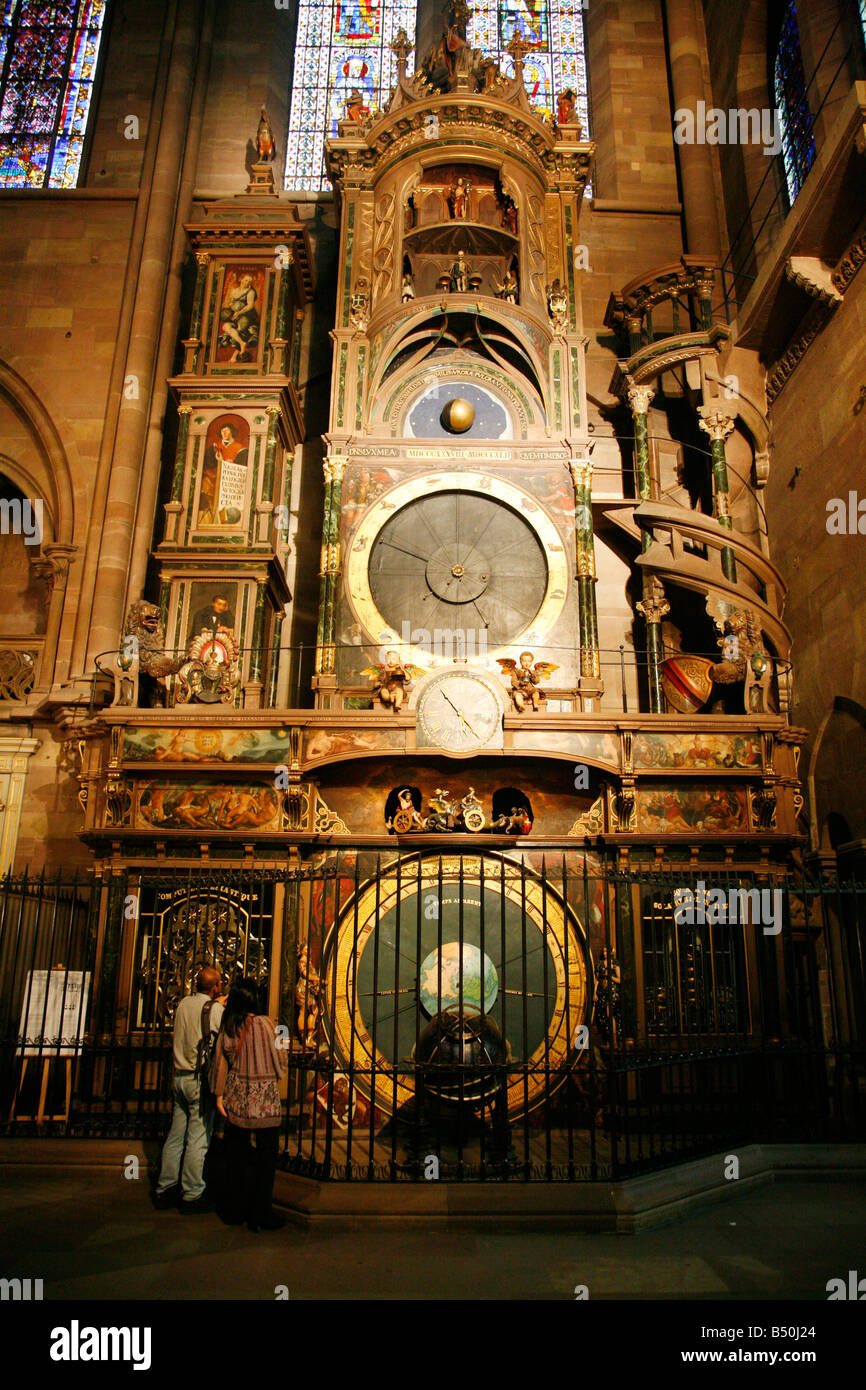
{"type": "Point", "coordinates": [521, 1015]}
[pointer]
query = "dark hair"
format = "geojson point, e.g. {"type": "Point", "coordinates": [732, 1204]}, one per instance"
{"type": "Point", "coordinates": [243, 1000]}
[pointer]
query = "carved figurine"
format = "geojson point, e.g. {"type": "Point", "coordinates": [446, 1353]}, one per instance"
{"type": "Point", "coordinates": [359, 304]}
{"type": "Point", "coordinates": [212, 673]}
{"type": "Point", "coordinates": [526, 679]}
{"type": "Point", "coordinates": [471, 815]}
{"type": "Point", "coordinates": [744, 658]}
{"type": "Point", "coordinates": [509, 216]}
{"type": "Point", "coordinates": [392, 680]}
{"type": "Point", "coordinates": [142, 652]}
{"type": "Point", "coordinates": [406, 818]}
{"type": "Point", "coordinates": [356, 111]}
{"type": "Point", "coordinates": [507, 288]}
{"type": "Point", "coordinates": [515, 822]}
{"type": "Point", "coordinates": [566, 107]}
{"type": "Point", "coordinates": [407, 291]}
{"type": "Point", "coordinates": [308, 992]}
{"type": "Point", "coordinates": [459, 274]}
{"type": "Point", "coordinates": [459, 199]}
{"type": "Point", "coordinates": [443, 811]}
{"type": "Point", "coordinates": [265, 144]}
{"type": "Point", "coordinates": [557, 304]}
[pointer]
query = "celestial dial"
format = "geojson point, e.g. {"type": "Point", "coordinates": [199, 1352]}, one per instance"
{"type": "Point", "coordinates": [458, 712]}
{"type": "Point", "coordinates": [476, 936]}
{"type": "Point", "coordinates": [459, 560]}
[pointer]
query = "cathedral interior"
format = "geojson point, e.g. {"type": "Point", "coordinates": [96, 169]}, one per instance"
{"type": "Point", "coordinates": [432, 510]}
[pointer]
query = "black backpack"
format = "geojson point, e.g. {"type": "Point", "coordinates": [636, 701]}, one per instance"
{"type": "Point", "coordinates": [206, 1044]}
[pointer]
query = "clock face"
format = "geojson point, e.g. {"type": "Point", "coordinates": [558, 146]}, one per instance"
{"type": "Point", "coordinates": [459, 561]}
{"type": "Point", "coordinates": [458, 712]}
{"type": "Point", "coordinates": [456, 566]}
{"type": "Point", "coordinates": [475, 935]}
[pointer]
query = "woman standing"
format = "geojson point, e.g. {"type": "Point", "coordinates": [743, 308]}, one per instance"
{"type": "Point", "coordinates": [245, 1077]}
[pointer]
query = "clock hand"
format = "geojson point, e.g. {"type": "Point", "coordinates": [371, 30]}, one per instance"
{"type": "Point", "coordinates": [460, 715]}
{"type": "Point", "coordinates": [404, 551]}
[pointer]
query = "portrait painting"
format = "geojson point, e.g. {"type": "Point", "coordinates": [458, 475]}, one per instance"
{"type": "Point", "coordinates": [239, 321]}
{"type": "Point", "coordinates": [211, 604]}
{"type": "Point", "coordinates": [223, 490]}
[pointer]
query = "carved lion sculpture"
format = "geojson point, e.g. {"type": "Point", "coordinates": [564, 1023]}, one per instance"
{"type": "Point", "coordinates": [142, 653]}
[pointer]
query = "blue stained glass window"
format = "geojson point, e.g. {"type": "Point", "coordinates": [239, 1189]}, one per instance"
{"type": "Point", "coordinates": [48, 56]}
{"type": "Point", "coordinates": [556, 59]}
{"type": "Point", "coordinates": [863, 18]}
{"type": "Point", "coordinates": [792, 103]}
{"type": "Point", "coordinates": [341, 44]}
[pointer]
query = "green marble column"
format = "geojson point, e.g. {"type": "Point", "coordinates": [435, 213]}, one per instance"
{"type": "Point", "coordinates": [184, 411]}
{"type": "Point", "coordinates": [639, 398]}
{"type": "Point", "coordinates": [334, 468]}
{"type": "Point", "coordinates": [654, 606]}
{"type": "Point", "coordinates": [718, 427]}
{"type": "Point", "coordinates": [256, 653]}
{"type": "Point", "coordinates": [581, 476]}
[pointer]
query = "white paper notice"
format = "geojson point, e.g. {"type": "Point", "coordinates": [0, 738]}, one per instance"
{"type": "Point", "coordinates": [54, 1028]}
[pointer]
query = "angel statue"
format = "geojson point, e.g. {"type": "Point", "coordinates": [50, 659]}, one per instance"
{"type": "Point", "coordinates": [392, 679]}
{"type": "Point", "coordinates": [526, 679]}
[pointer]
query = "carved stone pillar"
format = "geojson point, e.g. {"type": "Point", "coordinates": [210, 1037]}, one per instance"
{"type": "Point", "coordinates": [15, 754]}
{"type": "Point", "coordinates": [53, 568]}
{"type": "Point", "coordinates": [639, 398]}
{"type": "Point", "coordinates": [590, 666]}
{"type": "Point", "coordinates": [654, 606]}
{"type": "Point", "coordinates": [331, 568]}
{"type": "Point", "coordinates": [718, 426]}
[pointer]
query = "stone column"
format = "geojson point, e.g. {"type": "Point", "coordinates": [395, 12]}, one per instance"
{"type": "Point", "coordinates": [15, 754]}
{"type": "Point", "coordinates": [639, 398]}
{"type": "Point", "coordinates": [253, 687]}
{"type": "Point", "coordinates": [53, 568]}
{"type": "Point", "coordinates": [685, 48]}
{"type": "Point", "coordinates": [718, 427]}
{"type": "Point", "coordinates": [329, 574]}
{"type": "Point", "coordinates": [581, 477]}
{"type": "Point", "coordinates": [654, 606]}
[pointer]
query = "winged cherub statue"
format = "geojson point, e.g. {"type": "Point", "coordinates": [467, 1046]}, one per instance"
{"type": "Point", "coordinates": [526, 679]}
{"type": "Point", "coordinates": [392, 679]}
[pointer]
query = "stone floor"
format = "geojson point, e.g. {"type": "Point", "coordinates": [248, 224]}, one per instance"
{"type": "Point", "coordinates": [91, 1233]}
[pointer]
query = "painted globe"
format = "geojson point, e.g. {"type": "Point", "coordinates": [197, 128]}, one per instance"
{"type": "Point", "coordinates": [458, 415]}
{"type": "Point", "coordinates": [445, 966]}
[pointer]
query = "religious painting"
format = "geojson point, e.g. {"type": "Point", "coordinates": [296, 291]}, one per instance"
{"type": "Point", "coordinates": [324, 744]}
{"type": "Point", "coordinates": [706, 809]}
{"type": "Point", "coordinates": [186, 745]}
{"type": "Point", "coordinates": [208, 806]}
{"type": "Point", "coordinates": [211, 604]}
{"type": "Point", "coordinates": [240, 314]}
{"type": "Point", "coordinates": [697, 750]}
{"type": "Point", "coordinates": [223, 491]}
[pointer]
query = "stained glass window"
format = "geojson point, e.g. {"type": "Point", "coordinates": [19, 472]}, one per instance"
{"type": "Point", "coordinates": [792, 103]}
{"type": "Point", "coordinates": [48, 56]}
{"type": "Point", "coordinates": [341, 45]}
{"type": "Point", "coordinates": [556, 59]}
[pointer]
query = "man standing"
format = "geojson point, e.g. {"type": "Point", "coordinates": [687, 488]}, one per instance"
{"type": "Point", "coordinates": [193, 1114]}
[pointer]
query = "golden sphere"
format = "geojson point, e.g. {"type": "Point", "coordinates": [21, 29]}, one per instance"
{"type": "Point", "coordinates": [458, 416]}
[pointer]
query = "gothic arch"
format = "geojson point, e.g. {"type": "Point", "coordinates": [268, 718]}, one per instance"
{"type": "Point", "coordinates": [55, 484]}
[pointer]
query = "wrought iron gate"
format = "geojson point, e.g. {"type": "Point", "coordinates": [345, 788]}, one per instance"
{"type": "Point", "coordinates": [481, 1015]}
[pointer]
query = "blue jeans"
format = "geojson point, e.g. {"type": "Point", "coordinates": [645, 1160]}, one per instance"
{"type": "Point", "coordinates": [191, 1124]}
